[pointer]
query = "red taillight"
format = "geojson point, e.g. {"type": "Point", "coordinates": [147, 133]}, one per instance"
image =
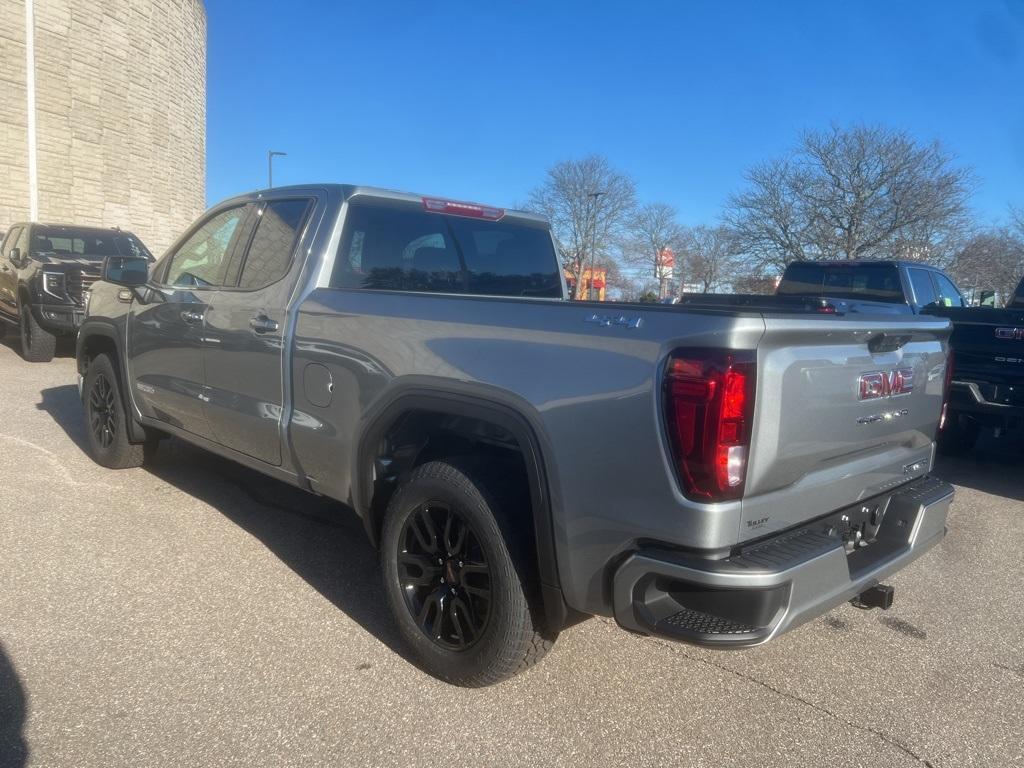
{"type": "Point", "coordinates": [709, 405]}
{"type": "Point", "coordinates": [947, 385]}
{"type": "Point", "coordinates": [826, 309]}
{"type": "Point", "coordinates": [453, 207]}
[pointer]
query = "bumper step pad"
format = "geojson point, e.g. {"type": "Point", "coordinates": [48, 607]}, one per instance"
{"type": "Point", "coordinates": [690, 621]}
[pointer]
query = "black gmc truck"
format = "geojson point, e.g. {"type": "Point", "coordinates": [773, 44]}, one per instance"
{"type": "Point", "coordinates": [987, 391]}
{"type": "Point", "coordinates": [45, 274]}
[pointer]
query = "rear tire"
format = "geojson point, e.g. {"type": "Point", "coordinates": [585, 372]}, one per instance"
{"type": "Point", "coordinates": [452, 582]}
{"type": "Point", "coordinates": [37, 344]}
{"type": "Point", "coordinates": [959, 434]}
{"type": "Point", "coordinates": [106, 422]}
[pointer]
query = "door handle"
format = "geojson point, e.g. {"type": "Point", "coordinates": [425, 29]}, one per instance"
{"type": "Point", "coordinates": [263, 324]}
{"type": "Point", "coordinates": [192, 317]}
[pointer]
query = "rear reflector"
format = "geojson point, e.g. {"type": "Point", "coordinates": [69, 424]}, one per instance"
{"type": "Point", "coordinates": [455, 208]}
{"type": "Point", "coordinates": [709, 406]}
{"type": "Point", "coordinates": [947, 385]}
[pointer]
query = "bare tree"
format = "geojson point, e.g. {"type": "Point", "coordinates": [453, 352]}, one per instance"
{"type": "Point", "coordinates": [710, 257]}
{"type": "Point", "coordinates": [1017, 220]}
{"type": "Point", "coordinates": [653, 238]}
{"type": "Point", "coordinates": [588, 203]}
{"type": "Point", "coordinates": [991, 260]}
{"type": "Point", "coordinates": [858, 193]}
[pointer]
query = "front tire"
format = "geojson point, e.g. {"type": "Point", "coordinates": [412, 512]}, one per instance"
{"type": "Point", "coordinates": [106, 422]}
{"type": "Point", "coordinates": [37, 344]}
{"type": "Point", "coordinates": [452, 582]}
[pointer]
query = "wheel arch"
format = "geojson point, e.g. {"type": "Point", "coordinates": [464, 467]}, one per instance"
{"type": "Point", "coordinates": [388, 415]}
{"type": "Point", "coordinates": [96, 337]}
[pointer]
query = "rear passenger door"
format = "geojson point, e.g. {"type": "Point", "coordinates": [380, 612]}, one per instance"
{"type": "Point", "coordinates": [244, 333]}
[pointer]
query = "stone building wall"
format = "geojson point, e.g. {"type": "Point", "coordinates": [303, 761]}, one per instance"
{"type": "Point", "coordinates": [120, 114]}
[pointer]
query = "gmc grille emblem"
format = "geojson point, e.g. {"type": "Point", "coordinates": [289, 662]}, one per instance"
{"type": "Point", "coordinates": [879, 384]}
{"type": "Point", "coordinates": [1010, 334]}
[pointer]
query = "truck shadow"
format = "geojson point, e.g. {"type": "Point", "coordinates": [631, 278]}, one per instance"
{"type": "Point", "coordinates": [65, 344]}
{"type": "Point", "coordinates": [321, 540]}
{"type": "Point", "coordinates": [992, 466]}
{"type": "Point", "coordinates": [13, 749]}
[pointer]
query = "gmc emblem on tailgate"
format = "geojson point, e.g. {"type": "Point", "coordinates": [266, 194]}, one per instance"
{"type": "Point", "coordinates": [879, 384]}
{"type": "Point", "coordinates": [1010, 334]}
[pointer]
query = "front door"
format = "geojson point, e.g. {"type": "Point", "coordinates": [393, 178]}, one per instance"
{"type": "Point", "coordinates": [245, 330]}
{"type": "Point", "coordinates": [166, 332]}
{"type": "Point", "coordinates": [9, 275]}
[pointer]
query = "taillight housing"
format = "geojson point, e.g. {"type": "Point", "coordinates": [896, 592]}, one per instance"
{"type": "Point", "coordinates": [709, 408]}
{"type": "Point", "coordinates": [946, 387]}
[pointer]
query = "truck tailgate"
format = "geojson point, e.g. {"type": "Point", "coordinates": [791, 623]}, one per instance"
{"type": "Point", "coordinates": [846, 409]}
{"type": "Point", "coordinates": [988, 343]}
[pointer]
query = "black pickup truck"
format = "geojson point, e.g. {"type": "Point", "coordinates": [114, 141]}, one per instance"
{"type": "Point", "coordinates": [846, 287]}
{"type": "Point", "coordinates": [988, 371]}
{"type": "Point", "coordinates": [45, 274]}
{"type": "Point", "coordinates": [872, 287]}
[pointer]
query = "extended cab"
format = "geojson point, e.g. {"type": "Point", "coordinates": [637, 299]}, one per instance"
{"type": "Point", "coordinates": [716, 476]}
{"type": "Point", "coordinates": [45, 274]}
{"type": "Point", "coordinates": [988, 371]}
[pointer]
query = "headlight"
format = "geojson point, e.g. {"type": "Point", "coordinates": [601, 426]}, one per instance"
{"type": "Point", "coordinates": [53, 284]}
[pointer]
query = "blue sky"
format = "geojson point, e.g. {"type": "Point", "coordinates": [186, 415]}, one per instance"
{"type": "Point", "coordinates": [474, 100]}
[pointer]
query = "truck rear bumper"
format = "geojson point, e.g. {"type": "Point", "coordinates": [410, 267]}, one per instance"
{"type": "Point", "coordinates": [776, 584]}
{"type": "Point", "coordinates": [973, 398]}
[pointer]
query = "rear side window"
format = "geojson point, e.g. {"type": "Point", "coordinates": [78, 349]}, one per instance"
{"type": "Point", "coordinates": [403, 248]}
{"type": "Point", "coordinates": [924, 290]}
{"type": "Point", "coordinates": [868, 282]}
{"type": "Point", "coordinates": [949, 296]}
{"type": "Point", "coordinates": [270, 254]}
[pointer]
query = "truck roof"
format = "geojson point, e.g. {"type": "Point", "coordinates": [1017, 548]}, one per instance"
{"type": "Point", "coordinates": [866, 262]}
{"type": "Point", "coordinates": [352, 190]}
{"type": "Point", "coordinates": [76, 227]}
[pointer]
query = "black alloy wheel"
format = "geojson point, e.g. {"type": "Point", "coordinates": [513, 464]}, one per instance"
{"type": "Point", "coordinates": [444, 576]}
{"type": "Point", "coordinates": [102, 411]}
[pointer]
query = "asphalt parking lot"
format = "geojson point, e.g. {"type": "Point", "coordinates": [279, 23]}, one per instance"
{"type": "Point", "coordinates": [196, 613]}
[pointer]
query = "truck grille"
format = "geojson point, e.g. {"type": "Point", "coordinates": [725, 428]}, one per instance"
{"type": "Point", "coordinates": [78, 283]}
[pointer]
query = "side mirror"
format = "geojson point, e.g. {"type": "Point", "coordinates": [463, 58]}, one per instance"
{"type": "Point", "coordinates": [129, 271]}
{"type": "Point", "coordinates": [15, 257]}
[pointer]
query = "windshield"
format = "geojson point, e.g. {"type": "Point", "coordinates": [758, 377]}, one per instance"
{"type": "Point", "coordinates": [87, 244]}
{"type": "Point", "coordinates": [867, 282]}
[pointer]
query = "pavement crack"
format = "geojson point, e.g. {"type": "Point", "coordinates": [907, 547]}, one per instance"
{"type": "Point", "coordinates": [881, 735]}
{"type": "Point", "coordinates": [1019, 671]}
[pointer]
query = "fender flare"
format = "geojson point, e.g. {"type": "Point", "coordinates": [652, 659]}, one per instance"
{"type": "Point", "coordinates": [493, 408]}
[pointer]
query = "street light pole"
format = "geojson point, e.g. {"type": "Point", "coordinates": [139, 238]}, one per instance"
{"type": "Point", "coordinates": [270, 166]}
{"type": "Point", "coordinates": [593, 241]}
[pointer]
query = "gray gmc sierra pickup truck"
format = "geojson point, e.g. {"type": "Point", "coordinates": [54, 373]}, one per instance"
{"type": "Point", "coordinates": [711, 475]}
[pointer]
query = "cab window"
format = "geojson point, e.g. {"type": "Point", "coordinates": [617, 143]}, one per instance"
{"type": "Point", "coordinates": [921, 282]}
{"type": "Point", "coordinates": [202, 261]}
{"type": "Point", "coordinates": [270, 254]}
{"type": "Point", "coordinates": [948, 295]}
